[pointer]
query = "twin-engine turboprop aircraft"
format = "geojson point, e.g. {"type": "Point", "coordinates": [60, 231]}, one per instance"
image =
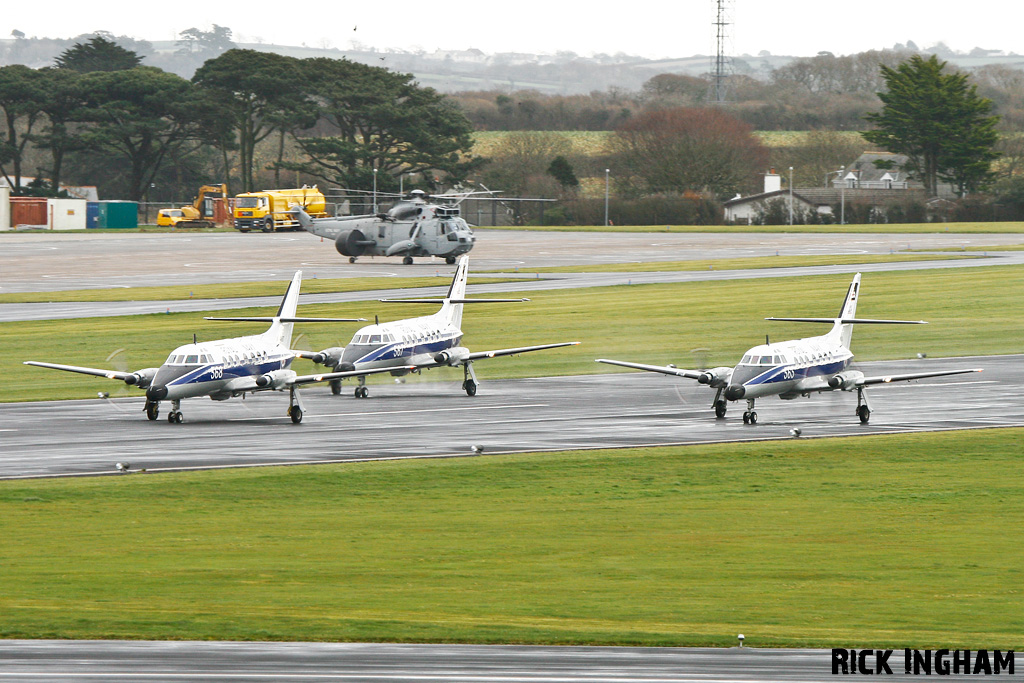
{"type": "Point", "coordinates": [415, 344]}
{"type": "Point", "coordinates": [227, 368]}
{"type": "Point", "coordinates": [796, 368]}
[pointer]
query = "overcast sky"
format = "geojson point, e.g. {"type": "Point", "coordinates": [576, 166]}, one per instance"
{"type": "Point", "coordinates": [649, 28]}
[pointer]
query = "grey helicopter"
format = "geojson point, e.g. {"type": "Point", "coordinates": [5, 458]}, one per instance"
{"type": "Point", "coordinates": [414, 226]}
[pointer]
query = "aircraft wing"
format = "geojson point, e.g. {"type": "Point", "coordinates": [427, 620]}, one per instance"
{"type": "Point", "coordinates": [328, 376]}
{"type": "Point", "coordinates": [479, 355]}
{"type": "Point", "coordinates": [886, 379]}
{"type": "Point", "coordinates": [109, 374]}
{"type": "Point", "coordinates": [663, 369]}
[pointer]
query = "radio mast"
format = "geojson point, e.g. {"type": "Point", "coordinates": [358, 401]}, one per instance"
{"type": "Point", "coordinates": [721, 67]}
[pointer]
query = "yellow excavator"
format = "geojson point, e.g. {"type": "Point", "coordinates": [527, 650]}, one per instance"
{"type": "Point", "coordinates": [202, 213]}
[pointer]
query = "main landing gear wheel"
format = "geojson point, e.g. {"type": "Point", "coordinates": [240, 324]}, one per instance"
{"type": "Point", "coordinates": [407, 260]}
{"type": "Point", "coordinates": [336, 387]}
{"type": "Point", "coordinates": [470, 387]}
{"type": "Point", "coordinates": [295, 413]}
{"type": "Point", "coordinates": [720, 407]}
{"type": "Point", "coordinates": [450, 260]}
{"type": "Point", "coordinates": [152, 410]}
{"type": "Point", "coordinates": [864, 413]}
{"type": "Point", "coordinates": [174, 417]}
{"type": "Point", "coordinates": [351, 259]}
{"type": "Point", "coordinates": [362, 392]}
{"type": "Point", "coordinates": [750, 417]}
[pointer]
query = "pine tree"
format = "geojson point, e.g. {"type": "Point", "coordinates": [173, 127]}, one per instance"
{"type": "Point", "coordinates": [938, 120]}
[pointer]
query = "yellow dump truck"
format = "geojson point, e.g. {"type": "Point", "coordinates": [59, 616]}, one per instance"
{"type": "Point", "coordinates": [270, 210]}
{"type": "Point", "coordinates": [204, 212]}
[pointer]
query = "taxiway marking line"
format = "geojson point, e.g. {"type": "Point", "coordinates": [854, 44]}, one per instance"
{"type": "Point", "coordinates": [408, 412]}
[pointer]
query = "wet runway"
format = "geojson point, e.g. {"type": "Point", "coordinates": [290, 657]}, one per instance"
{"type": "Point", "coordinates": [166, 662]}
{"type": "Point", "coordinates": [430, 418]}
{"type": "Point", "coordinates": [47, 262]}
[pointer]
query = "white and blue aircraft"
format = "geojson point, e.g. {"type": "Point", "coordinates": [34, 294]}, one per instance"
{"type": "Point", "coordinates": [227, 368]}
{"type": "Point", "coordinates": [798, 367]}
{"type": "Point", "coordinates": [414, 344]}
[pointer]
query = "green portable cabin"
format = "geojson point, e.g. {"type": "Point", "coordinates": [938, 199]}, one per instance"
{"type": "Point", "coordinates": [116, 214]}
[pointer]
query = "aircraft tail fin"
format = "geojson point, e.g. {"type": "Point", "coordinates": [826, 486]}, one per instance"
{"type": "Point", "coordinates": [281, 332]}
{"type": "Point", "coordinates": [456, 292]}
{"type": "Point", "coordinates": [849, 310]}
{"type": "Point", "coordinates": [302, 217]}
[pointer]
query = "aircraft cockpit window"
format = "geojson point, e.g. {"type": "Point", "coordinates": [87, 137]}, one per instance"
{"type": "Point", "coordinates": [374, 338]}
{"type": "Point", "coordinates": [192, 359]}
{"type": "Point", "coordinates": [765, 360]}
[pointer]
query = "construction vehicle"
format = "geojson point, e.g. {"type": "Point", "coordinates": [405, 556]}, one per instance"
{"type": "Point", "coordinates": [202, 213]}
{"type": "Point", "coordinates": [270, 210]}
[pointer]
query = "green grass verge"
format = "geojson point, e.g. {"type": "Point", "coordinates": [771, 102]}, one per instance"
{"type": "Point", "coordinates": [888, 228]}
{"type": "Point", "coordinates": [888, 541]}
{"type": "Point", "coordinates": [972, 311]}
{"type": "Point", "coordinates": [235, 289]}
{"type": "Point", "coordinates": [743, 263]}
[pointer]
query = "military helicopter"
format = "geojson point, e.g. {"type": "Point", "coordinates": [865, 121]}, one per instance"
{"type": "Point", "coordinates": [412, 227]}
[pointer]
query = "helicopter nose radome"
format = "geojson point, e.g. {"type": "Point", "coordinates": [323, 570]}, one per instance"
{"type": "Point", "coordinates": [156, 393]}
{"type": "Point", "coordinates": [734, 392]}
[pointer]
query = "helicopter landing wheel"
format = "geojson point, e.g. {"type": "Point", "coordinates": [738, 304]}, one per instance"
{"type": "Point", "coordinates": [450, 260]}
{"type": "Point", "coordinates": [407, 260]}
{"type": "Point", "coordinates": [351, 259]}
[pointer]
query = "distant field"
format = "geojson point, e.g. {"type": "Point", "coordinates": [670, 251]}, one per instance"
{"type": "Point", "coordinates": [909, 540]}
{"type": "Point", "coordinates": [972, 311]}
{"type": "Point", "coordinates": [597, 142]}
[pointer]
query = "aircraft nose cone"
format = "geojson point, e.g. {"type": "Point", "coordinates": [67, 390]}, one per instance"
{"type": "Point", "coordinates": [734, 392]}
{"type": "Point", "coordinates": [156, 393]}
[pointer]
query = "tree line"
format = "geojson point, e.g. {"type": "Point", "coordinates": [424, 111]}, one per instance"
{"type": "Point", "coordinates": [98, 116]}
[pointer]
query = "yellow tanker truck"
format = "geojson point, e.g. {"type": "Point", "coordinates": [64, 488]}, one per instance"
{"type": "Point", "coordinates": [270, 210]}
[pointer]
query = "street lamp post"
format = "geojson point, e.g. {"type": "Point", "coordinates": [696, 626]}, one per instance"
{"type": "Point", "coordinates": [606, 172]}
{"type": "Point", "coordinates": [791, 195]}
{"type": "Point", "coordinates": [842, 195]}
{"type": "Point", "coordinates": [375, 190]}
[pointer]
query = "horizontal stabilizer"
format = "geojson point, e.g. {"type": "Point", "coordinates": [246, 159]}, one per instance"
{"type": "Point", "coordinates": [847, 321]}
{"type": "Point", "coordinates": [453, 301]}
{"type": "Point", "coordinates": [290, 320]}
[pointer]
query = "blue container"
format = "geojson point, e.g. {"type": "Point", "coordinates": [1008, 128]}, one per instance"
{"type": "Point", "coordinates": [92, 215]}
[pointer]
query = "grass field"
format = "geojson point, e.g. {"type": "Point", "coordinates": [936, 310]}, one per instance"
{"type": "Point", "coordinates": [889, 541]}
{"type": "Point", "coordinates": [235, 289]}
{"type": "Point", "coordinates": [972, 311]}
{"type": "Point", "coordinates": [746, 263]}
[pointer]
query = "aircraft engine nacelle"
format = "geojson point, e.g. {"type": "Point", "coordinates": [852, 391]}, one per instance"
{"type": "Point", "coordinates": [715, 377]}
{"type": "Point", "coordinates": [275, 379]}
{"type": "Point", "coordinates": [846, 381]}
{"type": "Point", "coordinates": [452, 356]}
{"type": "Point", "coordinates": [331, 356]}
{"type": "Point", "coordinates": [352, 243]}
{"type": "Point", "coordinates": [141, 378]}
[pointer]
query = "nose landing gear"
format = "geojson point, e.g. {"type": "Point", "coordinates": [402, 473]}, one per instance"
{"type": "Point", "coordinates": [750, 416]}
